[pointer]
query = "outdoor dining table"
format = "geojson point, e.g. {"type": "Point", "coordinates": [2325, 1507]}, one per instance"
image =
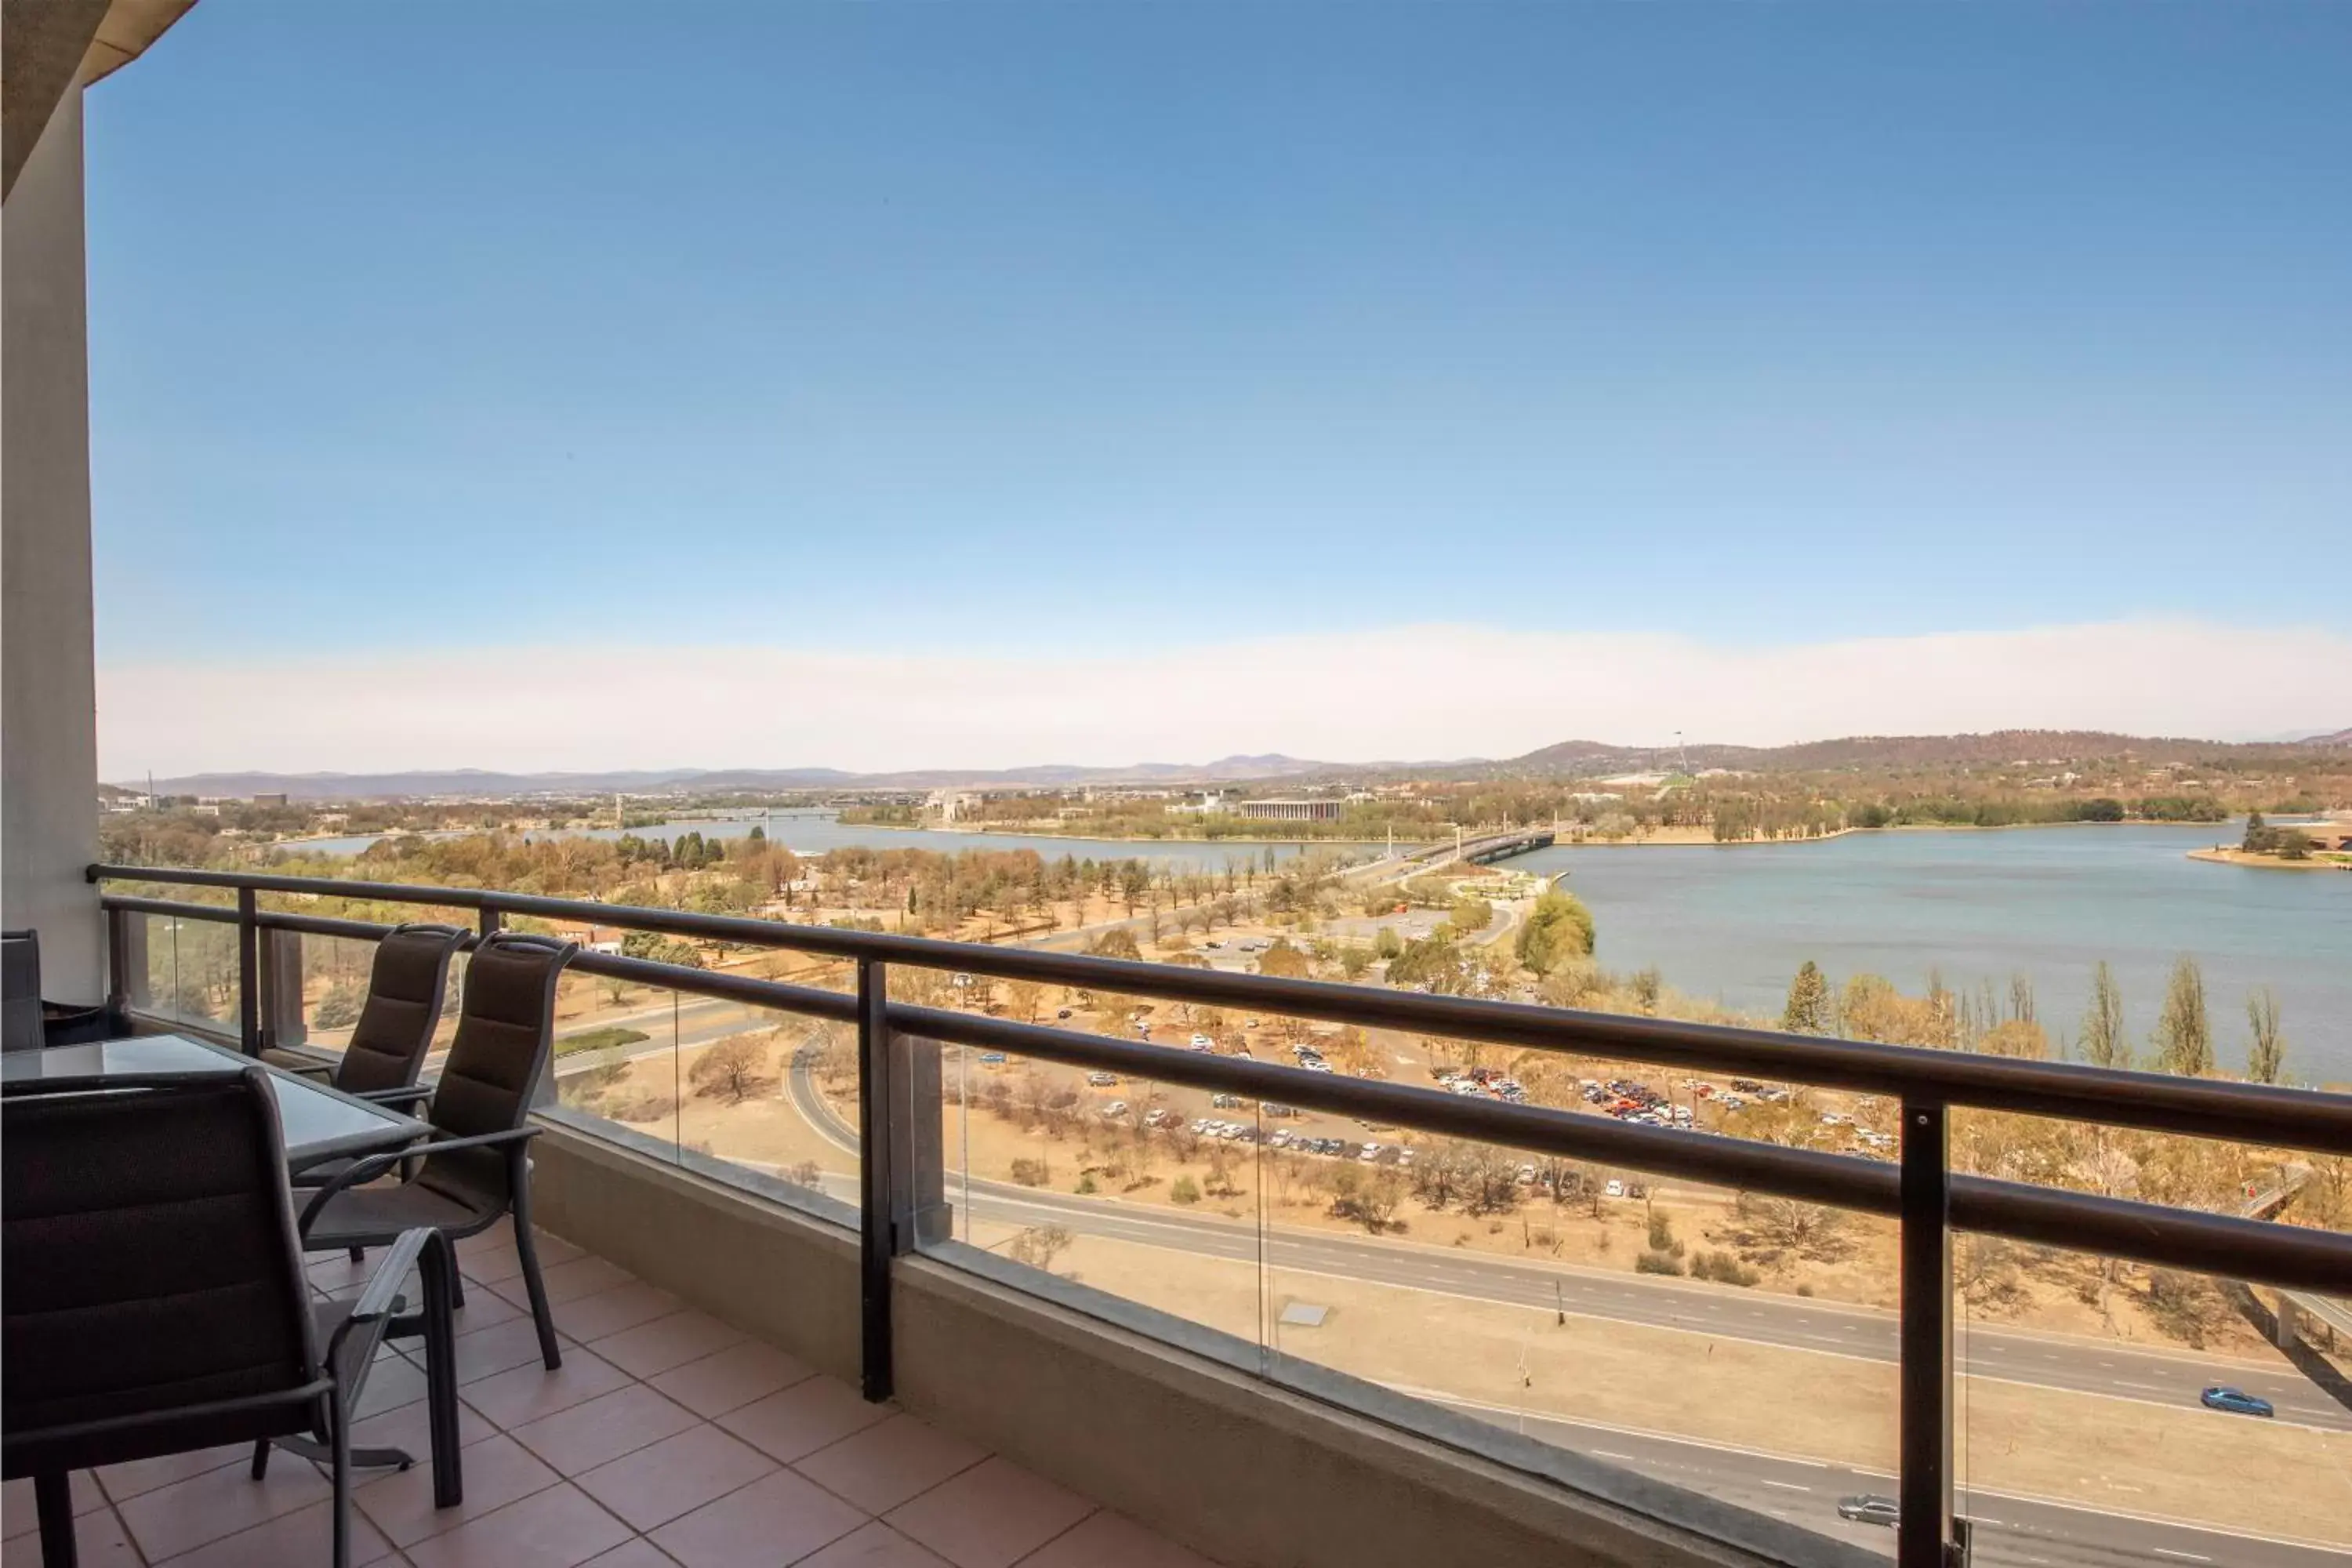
{"type": "Point", "coordinates": [319, 1123]}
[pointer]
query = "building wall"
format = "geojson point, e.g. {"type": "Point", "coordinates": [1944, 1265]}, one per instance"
{"type": "Point", "coordinates": [48, 733]}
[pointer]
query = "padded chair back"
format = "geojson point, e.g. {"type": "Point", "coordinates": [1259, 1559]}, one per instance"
{"type": "Point", "coordinates": [505, 1031]}
{"type": "Point", "coordinates": [149, 1270]}
{"type": "Point", "coordinates": [20, 990]}
{"type": "Point", "coordinates": [405, 987]}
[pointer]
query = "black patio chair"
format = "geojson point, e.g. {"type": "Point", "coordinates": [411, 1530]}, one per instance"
{"type": "Point", "coordinates": [406, 986]}
{"type": "Point", "coordinates": [154, 1298]}
{"type": "Point", "coordinates": [477, 1168]}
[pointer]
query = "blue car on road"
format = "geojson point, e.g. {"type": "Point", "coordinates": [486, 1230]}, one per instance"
{"type": "Point", "coordinates": [2236, 1401]}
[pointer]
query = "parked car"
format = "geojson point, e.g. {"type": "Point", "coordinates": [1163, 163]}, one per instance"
{"type": "Point", "coordinates": [1159, 1117]}
{"type": "Point", "coordinates": [1202, 1043]}
{"type": "Point", "coordinates": [2236, 1401]}
{"type": "Point", "coordinates": [1225, 1101]}
{"type": "Point", "coordinates": [1614, 1189]}
{"type": "Point", "coordinates": [1869, 1508]}
{"type": "Point", "coordinates": [1102, 1080]}
{"type": "Point", "coordinates": [1116, 1108]}
{"type": "Point", "coordinates": [992, 1058]}
{"type": "Point", "coordinates": [1063, 1014]}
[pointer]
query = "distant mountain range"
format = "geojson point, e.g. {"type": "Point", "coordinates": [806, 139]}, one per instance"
{"type": "Point", "coordinates": [1568, 759]}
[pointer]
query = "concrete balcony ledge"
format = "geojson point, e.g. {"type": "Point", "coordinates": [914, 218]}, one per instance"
{"type": "Point", "coordinates": [1162, 1419]}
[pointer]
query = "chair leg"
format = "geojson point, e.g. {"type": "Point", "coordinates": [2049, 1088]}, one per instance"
{"type": "Point", "coordinates": [53, 1501]}
{"type": "Point", "coordinates": [456, 1290]}
{"type": "Point", "coordinates": [340, 1440]}
{"type": "Point", "coordinates": [528, 1251]}
{"type": "Point", "coordinates": [359, 1255]}
{"type": "Point", "coordinates": [261, 1447]}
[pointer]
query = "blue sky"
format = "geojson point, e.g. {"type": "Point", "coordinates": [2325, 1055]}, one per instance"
{"type": "Point", "coordinates": [1035, 330]}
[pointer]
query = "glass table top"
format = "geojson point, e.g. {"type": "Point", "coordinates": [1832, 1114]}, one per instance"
{"type": "Point", "coordinates": [319, 1122]}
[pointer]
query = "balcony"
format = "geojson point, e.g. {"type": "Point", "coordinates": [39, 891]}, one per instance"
{"type": "Point", "coordinates": [669, 1437]}
{"type": "Point", "coordinates": [1233, 1337]}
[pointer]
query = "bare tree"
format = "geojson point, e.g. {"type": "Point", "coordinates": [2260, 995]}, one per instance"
{"type": "Point", "coordinates": [733, 1071]}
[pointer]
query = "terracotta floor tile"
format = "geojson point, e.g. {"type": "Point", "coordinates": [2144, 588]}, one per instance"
{"type": "Point", "coordinates": [513, 1399]}
{"type": "Point", "coordinates": [876, 1546]}
{"type": "Point", "coordinates": [98, 1538]}
{"type": "Point", "coordinates": [584, 1275]}
{"type": "Point", "coordinates": [665, 1342]}
{"type": "Point", "coordinates": [813, 1413]}
{"type": "Point", "coordinates": [779, 1519]}
{"type": "Point", "coordinates": [19, 1513]}
{"type": "Point", "coordinates": [123, 1482]}
{"type": "Point", "coordinates": [490, 1257]}
{"type": "Point", "coordinates": [990, 1516]}
{"type": "Point", "coordinates": [731, 1379]}
{"type": "Point", "coordinates": [557, 1528]}
{"type": "Point", "coordinates": [411, 1427]}
{"type": "Point", "coordinates": [662, 1481]}
{"type": "Point", "coordinates": [604, 1428]}
{"type": "Point", "coordinates": [203, 1508]}
{"type": "Point", "coordinates": [637, 1553]}
{"type": "Point", "coordinates": [885, 1465]}
{"type": "Point", "coordinates": [498, 1471]}
{"type": "Point", "coordinates": [1108, 1539]}
{"type": "Point", "coordinates": [485, 1353]}
{"type": "Point", "coordinates": [303, 1539]}
{"type": "Point", "coordinates": [610, 1312]}
{"type": "Point", "coordinates": [392, 1383]}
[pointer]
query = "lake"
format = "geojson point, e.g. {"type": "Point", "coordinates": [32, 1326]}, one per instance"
{"type": "Point", "coordinates": [1733, 922]}
{"type": "Point", "coordinates": [813, 832]}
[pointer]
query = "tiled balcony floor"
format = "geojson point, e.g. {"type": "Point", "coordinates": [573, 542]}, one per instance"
{"type": "Point", "coordinates": [667, 1440]}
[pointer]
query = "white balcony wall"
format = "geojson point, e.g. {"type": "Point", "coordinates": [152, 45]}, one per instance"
{"type": "Point", "coordinates": [48, 734]}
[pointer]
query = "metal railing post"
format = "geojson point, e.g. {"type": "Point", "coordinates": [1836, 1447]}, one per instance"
{"type": "Point", "coordinates": [282, 1020]}
{"type": "Point", "coordinates": [878, 1206]}
{"type": "Point", "coordinates": [248, 974]}
{"type": "Point", "coordinates": [1924, 1534]}
{"type": "Point", "coordinates": [488, 922]}
{"type": "Point", "coordinates": [918, 1179]}
{"type": "Point", "coordinates": [126, 963]}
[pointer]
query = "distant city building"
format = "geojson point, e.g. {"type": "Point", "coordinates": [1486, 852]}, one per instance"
{"type": "Point", "coordinates": [1292, 810]}
{"type": "Point", "coordinates": [278, 799]}
{"type": "Point", "coordinates": [1209, 805]}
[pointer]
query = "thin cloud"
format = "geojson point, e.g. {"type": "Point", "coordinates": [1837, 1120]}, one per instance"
{"type": "Point", "coordinates": [1412, 692]}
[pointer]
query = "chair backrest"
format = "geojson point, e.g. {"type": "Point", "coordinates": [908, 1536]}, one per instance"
{"type": "Point", "coordinates": [149, 1270]}
{"type": "Point", "coordinates": [406, 986]}
{"type": "Point", "coordinates": [20, 990]}
{"type": "Point", "coordinates": [505, 1031]}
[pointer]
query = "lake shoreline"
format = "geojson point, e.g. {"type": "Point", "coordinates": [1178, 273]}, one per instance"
{"type": "Point", "coordinates": [2223, 855]}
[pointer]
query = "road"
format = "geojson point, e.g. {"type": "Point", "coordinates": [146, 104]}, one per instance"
{"type": "Point", "coordinates": [2158, 1377]}
{"type": "Point", "coordinates": [2011, 1531]}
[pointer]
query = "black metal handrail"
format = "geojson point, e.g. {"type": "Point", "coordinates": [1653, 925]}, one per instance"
{"type": "Point", "coordinates": [2148, 1102]}
{"type": "Point", "coordinates": [1922, 1191]}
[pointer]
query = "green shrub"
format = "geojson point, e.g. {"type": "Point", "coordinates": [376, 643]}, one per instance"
{"type": "Point", "coordinates": [1031, 1173]}
{"type": "Point", "coordinates": [1185, 1191]}
{"type": "Point", "coordinates": [1724, 1268]}
{"type": "Point", "coordinates": [1656, 1262]}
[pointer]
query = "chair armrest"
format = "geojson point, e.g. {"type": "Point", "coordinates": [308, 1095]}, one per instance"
{"type": "Point", "coordinates": [408, 1095]}
{"type": "Point", "coordinates": [348, 1357]}
{"type": "Point", "coordinates": [362, 1172]}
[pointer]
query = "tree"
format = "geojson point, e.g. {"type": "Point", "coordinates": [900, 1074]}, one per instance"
{"type": "Point", "coordinates": [1022, 998]}
{"type": "Point", "coordinates": [1808, 1008]}
{"type": "Point", "coordinates": [1282, 959]}
{"type": "Point", "coordinates": [2104, 1044]}
{"type": "Point", "coordinates": [337, 1009]}
{"type": "Point", "coordinates": [2257, 839]}
{"type": "Point", "coordinates": [1558, 927]}
{"type": "Point", "coordinates": [2184, 1034]}
{"type": "Point", "coordinates": [1039, 1244]}
{"type": "Point", "coordinates": [732, 1070]}
{"type": "Point", "coordinates": [1117, 942]}
{"type": "Point", "coordinates": [2266, 1050]}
